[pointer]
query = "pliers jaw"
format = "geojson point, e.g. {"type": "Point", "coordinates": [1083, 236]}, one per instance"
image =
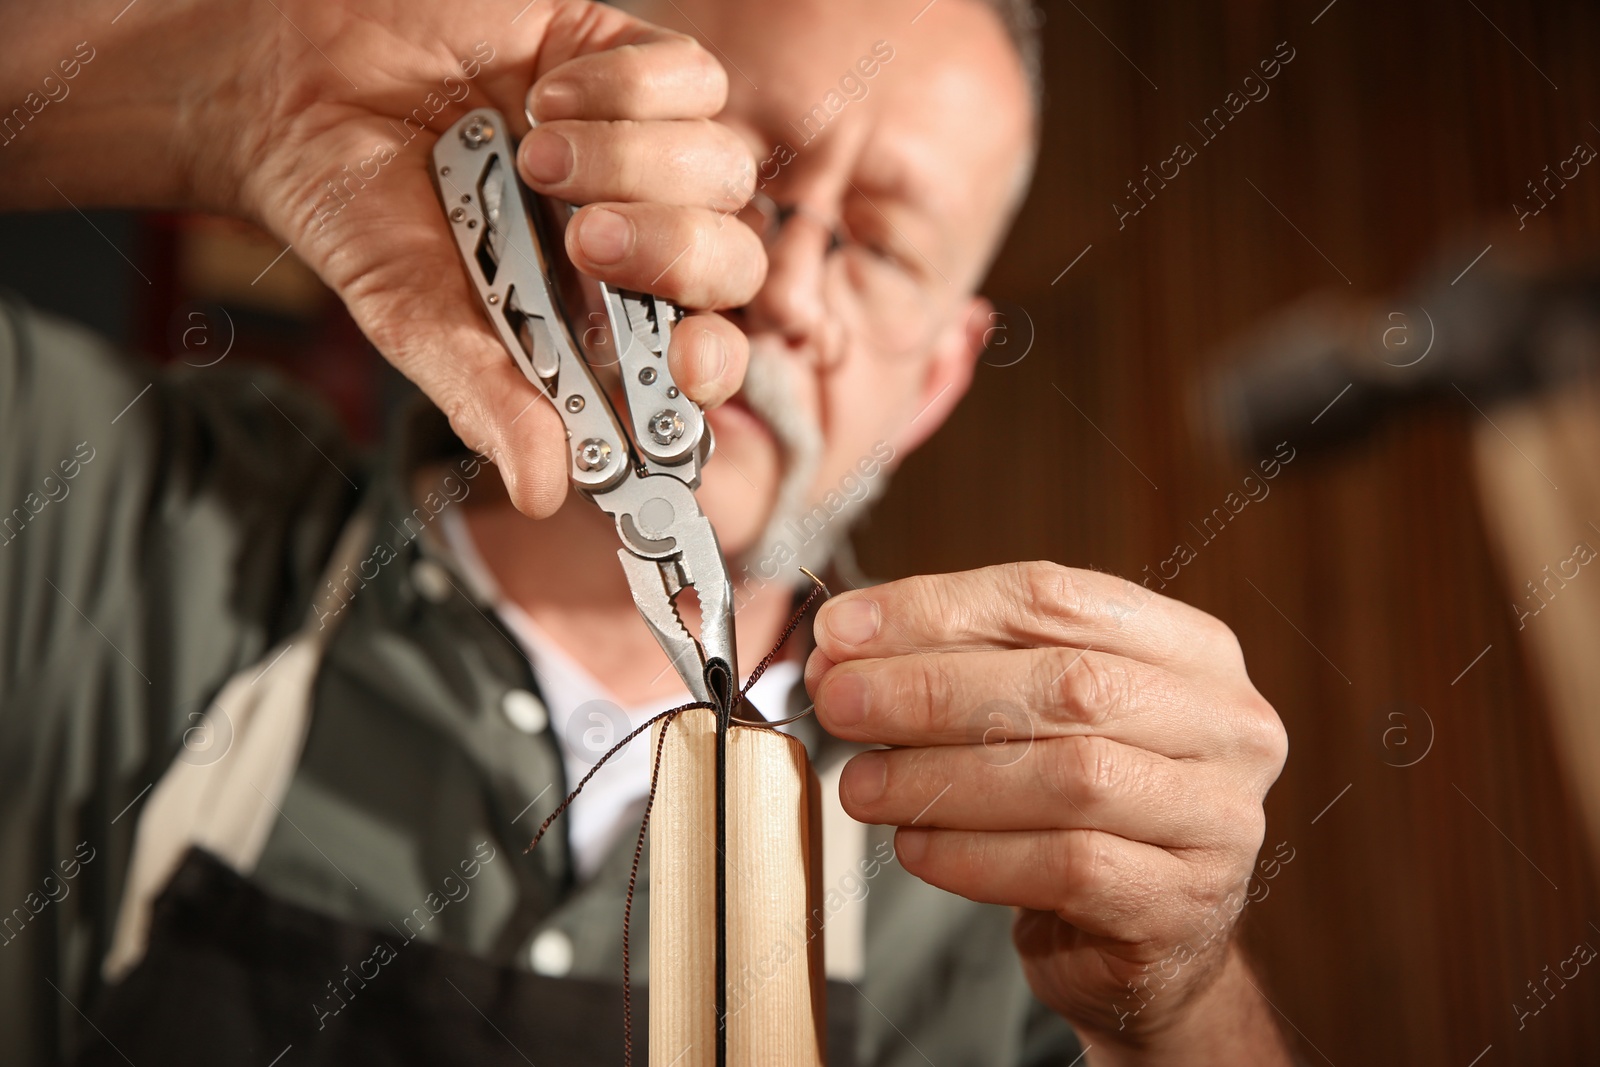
{"type": "Point", "coordinates": [668, 545]}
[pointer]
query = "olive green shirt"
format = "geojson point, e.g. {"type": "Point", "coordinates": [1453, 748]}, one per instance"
{"type": "Point", "coordinates": [161, 531]}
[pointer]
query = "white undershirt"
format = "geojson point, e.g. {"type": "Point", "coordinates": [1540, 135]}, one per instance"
{"type": "Point", "coordinates": [585, 716]}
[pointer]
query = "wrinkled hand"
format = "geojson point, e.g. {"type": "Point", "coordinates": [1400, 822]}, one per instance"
{"type": "Point", "coordinates": [1067, 743]}
{"type": "Point", "coordinates": [625, 121]}
{"type": "Point", "coordinates": [625, 127]}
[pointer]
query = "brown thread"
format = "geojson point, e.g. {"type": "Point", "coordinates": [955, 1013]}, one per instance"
{"type": "Point", "coordinates": [817, 589]}
{"type": "Point", "coordinates": [601, 762]}
{"type": "Point", "coordinates": [665, 718]}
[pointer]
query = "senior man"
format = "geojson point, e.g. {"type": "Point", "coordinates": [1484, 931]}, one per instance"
{"type": "Point", "coordinates": [287, 718]}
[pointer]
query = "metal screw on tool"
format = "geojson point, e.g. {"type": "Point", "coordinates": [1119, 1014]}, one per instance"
{"type": "Point", "coordinates": [647, 375]}
{"type": "Point", "coordinates": [594, 454]}
{"type": "Point", "coordinates": [458, 214]}
{"type": "Point", "coordinates": [666, 426]}
{"type": "Point", "coordinates": [574, 403]}
{"type": "Point", "coordinates": [477, 133]}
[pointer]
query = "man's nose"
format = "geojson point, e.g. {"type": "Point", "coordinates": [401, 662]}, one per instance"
{"type": "Point", "coordinates": [791, 302]}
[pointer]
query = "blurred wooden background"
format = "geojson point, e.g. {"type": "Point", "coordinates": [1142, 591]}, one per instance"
{"type": "Point", "coordinates": [1424, 899]}
{"type": "Point", "coordinates": [1408, 924]}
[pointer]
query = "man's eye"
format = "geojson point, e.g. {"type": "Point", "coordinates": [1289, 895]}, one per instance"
{"type": "Point", "coordinates": [881, 249]}
{"type": "Point", "coordinates": [884, 252]}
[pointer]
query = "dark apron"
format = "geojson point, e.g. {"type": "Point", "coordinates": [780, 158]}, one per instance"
{"type": "Point", "coordinates": [234, 976]}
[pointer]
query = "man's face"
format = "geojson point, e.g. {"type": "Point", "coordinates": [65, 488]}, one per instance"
{"type": "Point", "coordinates": [908, 141]}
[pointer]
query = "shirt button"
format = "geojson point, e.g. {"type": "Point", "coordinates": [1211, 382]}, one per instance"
{"type": "Point", "coordinates": [551, 954]}
{"type": "Point", "coordinates": [525, 711]}
{"type": "Point", "coordinates": [431, 580]}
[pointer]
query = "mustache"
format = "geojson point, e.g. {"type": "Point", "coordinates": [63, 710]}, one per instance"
{"type": "Point", "coordinates": [770, 391]}
{"type": "Point", "coordinates": [770, 388]}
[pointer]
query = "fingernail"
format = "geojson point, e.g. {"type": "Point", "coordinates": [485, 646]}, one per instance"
{"type": "Point", "coordinates": [843, 700]}
{"type": "Point", "coordinates": [605, 237]}
{"type": "Point", "coordinates": [852, 622]}
{"type": "Point", "coordinates": [911, 845]}
{"type": "Point", "coordinates": [865, 778]}
{"type": "Point", "coordinates": [555, 100]}
{"type": "Point", "coordinates": [710, 358]}
{"type": "Point", "coordinates": [546, 157]}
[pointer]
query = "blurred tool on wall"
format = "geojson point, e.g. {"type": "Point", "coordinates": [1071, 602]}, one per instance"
{"type": "Point", "coordinates": [1328, 371]}
{"type": "Point", "coordinates": [1514, 346]}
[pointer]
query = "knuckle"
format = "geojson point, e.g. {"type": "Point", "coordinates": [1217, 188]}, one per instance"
{"type": "Point", "coordinates": [1221, 640]}
{"type": "Point", "coordinates": [1252, 823]}
{"type": "Point", "coordinates": [1262, 735]}
{"type": "Point", "coordinates": [1212, 885]}
{"type": "Point", "coordinates": [1228, 642]}
{"type": "Point", "coordinates": [712, 79]}
{"type": "Point", "coordinates": [715, 74]}
{"type": "Point", "coordinates": [1048, 590]}
{"type": "Point", "coordinates": [1086, 771]}
{"type": "Point", "coordinates": [1090, 688]}
{"type": "Point", "coordinates": [637, 79]}
{"type": "Point", "coordinates": [684, 74]}
{"type": "Point", "coordinates": [1238, 826]}
{"type": "Point", "coordinates": [1226, 636]}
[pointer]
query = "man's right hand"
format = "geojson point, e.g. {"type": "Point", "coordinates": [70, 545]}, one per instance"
{"type": "Point", "coordinates": [253, 110]}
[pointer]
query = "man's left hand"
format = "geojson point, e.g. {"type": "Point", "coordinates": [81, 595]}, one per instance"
{"type": "Point", "coordinates": [1072, 745]}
